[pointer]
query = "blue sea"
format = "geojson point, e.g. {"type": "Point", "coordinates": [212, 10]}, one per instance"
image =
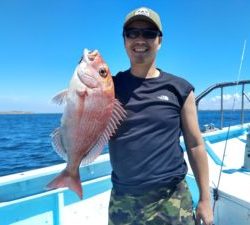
{"type": "Point", "coordinates": [25, 138]}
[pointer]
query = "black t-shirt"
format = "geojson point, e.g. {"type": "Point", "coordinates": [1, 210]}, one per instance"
{"type": "Point", "coordinates": [145, 152]}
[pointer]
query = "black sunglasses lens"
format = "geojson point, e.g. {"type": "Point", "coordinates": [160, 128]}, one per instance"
{"type": "Point", "coordinates": [132, 33]}
{"type": "Point", "coordinates": [135, 33]}
{"type": "Point", "coordinates": [149, 34]}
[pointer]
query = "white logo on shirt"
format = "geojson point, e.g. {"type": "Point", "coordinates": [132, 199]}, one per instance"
{"type": "Point", "coordinates": [163, 97]}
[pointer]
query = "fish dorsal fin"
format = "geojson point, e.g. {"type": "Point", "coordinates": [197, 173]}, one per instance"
{"type": "Point", "coordinates": [118, 114]}
{"type": "Point", "coordinates": [57, 143]}
{"type": "Point", "coordinates": [60, 98]}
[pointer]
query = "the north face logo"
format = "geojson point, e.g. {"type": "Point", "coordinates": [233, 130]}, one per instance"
{"type": "Point", "coordinates": [142, 11]}
{"type": "Point", "coordinates": [163, 97]}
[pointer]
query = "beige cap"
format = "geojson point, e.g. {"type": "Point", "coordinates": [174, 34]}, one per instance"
{"type": "Point", "coordinates": [145, 14]}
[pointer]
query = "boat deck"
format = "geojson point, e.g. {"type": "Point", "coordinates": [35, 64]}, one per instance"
{"type": "Point", "coordinates": [234, 185]}
{"type": "Point", "coordinates": [92, 211]}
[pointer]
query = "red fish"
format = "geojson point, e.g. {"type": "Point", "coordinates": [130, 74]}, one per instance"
{"type": "Point", "coordinates": [90, 117]}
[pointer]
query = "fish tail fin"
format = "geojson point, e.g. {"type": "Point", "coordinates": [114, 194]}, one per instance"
{"type": "Point", "coordinates": [65, 179]}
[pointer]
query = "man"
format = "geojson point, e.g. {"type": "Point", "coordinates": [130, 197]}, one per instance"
{"type": "Point", "coordinates": [148, 165]}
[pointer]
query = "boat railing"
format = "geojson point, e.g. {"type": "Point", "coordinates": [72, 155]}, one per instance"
{"type": "Point", "coordinates": [221, 86]}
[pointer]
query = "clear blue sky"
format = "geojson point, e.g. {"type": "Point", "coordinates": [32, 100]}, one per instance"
{"type": "Point", "coordinates": [41, 42]}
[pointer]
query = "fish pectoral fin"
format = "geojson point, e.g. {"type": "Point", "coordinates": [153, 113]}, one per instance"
{"type": "Point", "coordinates": [118, 114]}
{"type": "Point", "coordinates": [82, 93]}
{"type": "Point", "coordinates": [60, 98]}
{"type": "Point", "coordinates": [57, 143]}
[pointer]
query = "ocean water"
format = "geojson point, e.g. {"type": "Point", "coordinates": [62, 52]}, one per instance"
{"type": "Point", "coordinates": [25, 139]}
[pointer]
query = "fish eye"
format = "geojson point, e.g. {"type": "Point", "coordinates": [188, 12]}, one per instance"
{"type": "Point", "coordinates": [103, 72]}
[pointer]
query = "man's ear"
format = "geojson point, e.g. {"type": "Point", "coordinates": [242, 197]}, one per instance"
{"type": "Point", "coordinates": [160, 40]}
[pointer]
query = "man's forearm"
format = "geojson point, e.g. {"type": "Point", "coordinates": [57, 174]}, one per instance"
{"type": "Point", "coordinates": [199, 164]}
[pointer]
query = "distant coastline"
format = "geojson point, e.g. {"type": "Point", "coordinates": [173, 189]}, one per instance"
{"type": "Point", "coordinates": [15, 112]}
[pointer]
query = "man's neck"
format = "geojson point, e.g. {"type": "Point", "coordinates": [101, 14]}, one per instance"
{"type": "Point", "coordinates": [143, 71]}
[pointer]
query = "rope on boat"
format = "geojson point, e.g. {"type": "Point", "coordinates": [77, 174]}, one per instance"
{"type": "Point", "coordinates": [216, 189]}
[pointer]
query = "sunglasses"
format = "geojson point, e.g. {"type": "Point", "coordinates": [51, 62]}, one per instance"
{"type": "Point", "coordinates": [134, 33]}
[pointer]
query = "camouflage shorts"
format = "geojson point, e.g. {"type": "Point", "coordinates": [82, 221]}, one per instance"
{"type": "Point", "coordinates": [162, 206]}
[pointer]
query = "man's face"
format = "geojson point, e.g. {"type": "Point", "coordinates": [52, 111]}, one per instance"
{"type": "Point", "coordinates": [142, 50]}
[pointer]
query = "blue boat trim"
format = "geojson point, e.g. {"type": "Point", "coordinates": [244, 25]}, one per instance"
{"type": "Point", "coordinates": [239, 170]}
{"type": "Point", "coordinates": [212, 154]}
{"type": "Point", "coordinates": [35, 185]}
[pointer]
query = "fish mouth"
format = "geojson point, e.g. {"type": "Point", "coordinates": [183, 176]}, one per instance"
{"type": "Point", "coordinates": [85, 72]}
{"type": "Point", "coordinates": [89, 56]}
